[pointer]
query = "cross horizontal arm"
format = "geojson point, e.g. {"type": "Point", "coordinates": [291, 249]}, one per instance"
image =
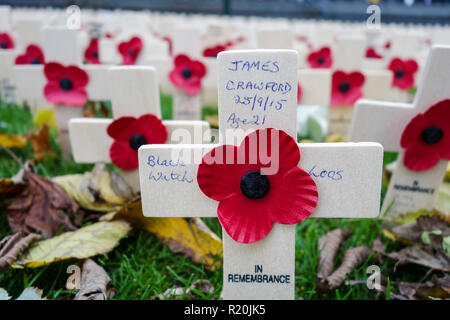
{"type": "Point", "coordinates": [348, 178]}
{"type": "Point", "coordinates": [380, 121]}
{"type": "Point", "coordinates": [90, 141]}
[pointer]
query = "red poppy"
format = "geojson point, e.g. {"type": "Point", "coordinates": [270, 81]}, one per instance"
{"type": "Point", "coordinates": [403, 71]}
{"type": "Point", "coordinates": [91, 54]}
{"type": "Point", "coordinates": [371, 53]}
{"type": "Point", "coordinates": [426, 138]}
{"type": "Point", "coordinates": [187, 74]}
{"type": "Point", "coordinates": [33, 55]}
{"type": "Point", "coordinates": [299, 93]}
{"type": "Point", "coordinates": [129, 134]}
{"type": "Point", "coordinates": [65, 85]}
{"type": "Point", "coordinates": [387, 45]}
{"type": "Point", "coordinates": [213, 51]}
{"type": "Point", "coordinates": [6, 42]}
{"type": "Point", "coordinates": [320, 58]}
{"type": "Point", "coordinates": [346, 87]}
{"type": "Point", "coordinates": [130, 50]}
{"type": "Point", "coordinates": [250, 201]}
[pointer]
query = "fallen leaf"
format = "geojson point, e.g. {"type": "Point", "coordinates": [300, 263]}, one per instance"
{"type": "Point", "coordinates": [353, 258]}
{"type": "Point", "coordinates": [13, 141]}
{"type": "Point", "coordinates": [213, 121]}
{"type": "Point", "coordinates": [11, 246]}
{"type": "Point", "coordinates": [328, 248]}
{"type": "Point", "coordinates": [9, 188]}
{"type": "Point", "coordinates": [412, 232]}
{"type": "Point", "coordinates": [41, 145]}
{"type": "Point", "coordinates": [442, 203]}
{"type": "Point", "coordinates": [379, 248]}
{"type": "Point", "coordinates": [188, 236]}
{"type": "Point", "coordinates": [438, 288]}
{"type": "Point", "coordinates": [94, 282]}
{"type": "Point", "coordinates": [30, 293]}
{"type": "Point", "coordinates": [195, 290]}
{"type": "Point", "coordinates": [335, 137]}
{"type": "Point", "coordinates": [100, 190]}
{"type": "Point", "coordinates": [434, 259]}
{"type": "Point", "coordinates": [95, 109]}
{"type": "Point", "coordinates": [97, 238]}
{"type": "Point", "coordinates": [43, 116]}
{"type": "Point", "coordinates": [41, 207]}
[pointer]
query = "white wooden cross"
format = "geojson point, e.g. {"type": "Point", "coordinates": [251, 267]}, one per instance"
{"type": "Point", "coordinates": [134, 92]}
{"type": "Point", "coordinates": [60, 45]}
{"type": "Point", "coordinates": [348, 175]}
{"type": "Point", "coordinates": [384, 122]}
{"type": "Point", "coordinates": [186, 40]}
{"type": "Point", "coordinates": [7, 56]}
{"type": "Point", "coordinates": [349, 56]}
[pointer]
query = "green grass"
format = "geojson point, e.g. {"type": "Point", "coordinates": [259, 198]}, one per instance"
{"type": "Point", "coordinates": [141, 267]}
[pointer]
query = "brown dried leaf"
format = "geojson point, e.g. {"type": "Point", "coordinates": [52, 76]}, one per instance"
{"type": "Point", "coordinates": [190, 237]}
{"type": "Point", "coordinates": [203, 286]}
{"type": "Point", "coordinates": [434, 259]}
{"type": "Point", "coordinates": [328, 247]}
{"type": "Point", "coordinates": [353, 258]}
{"type": "Point", "coordinates": [94, 282]}
{"type": "Point", "coordinates": [40, 142]}
{"type": "Point", "coordinates": [11, 246]}
{"type": "Point", "coordinates": [94, 109]}
{"type": "Point", "coordinates": [437, 288]}
{"type": "Point", "coordinates": [42, 207]}
{"type": "Point", "coordinates": [412, 232]}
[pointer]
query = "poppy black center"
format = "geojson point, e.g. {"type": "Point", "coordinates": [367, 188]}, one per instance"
{"type": "Point", "coordinates": [35, 61]}
{"type": "Point", "coordinates": [432, 134]}
{"type": "Point", "coordinates": [3, 45]}
{"type": "Point", "coordinates": [136, 141]}
{"type": "Point", "coordinates": [254, 185]}
{"type": "Point", "coordinates": [186, 73]}
{"type": "Point", "coordinates": [399, 73]}
{"type": "Point", "coordinates": [65, 84]}
{"type": "Point", "coordinates": [344, 87]}
{"type": "Point", "coordinates": [320, 60]}
{"type": "Point", "coordinates": [95, 54]}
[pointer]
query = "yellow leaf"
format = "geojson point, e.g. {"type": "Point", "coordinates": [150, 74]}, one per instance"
{"type": "Point", "coordinates": [13, 141]}
{"type": "Point", "coordinates": [97, 238]}
{"type": "Point", "coordinates": [335, 137]}
{"type": "Point", "coordinates": [100, 190]}
{"type": "Point", "coordinates": [213, 121]}
{"type": "Point", "coordinates": [442, 204]}
{"type": "Point", "coordinates": [43, 116]}
{"type": "Point", "coordinates": [189, 236]}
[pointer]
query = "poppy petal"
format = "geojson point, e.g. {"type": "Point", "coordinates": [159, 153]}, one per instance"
{"type": "Point", "coordinates": [152, 128]}
{"type": "Point", "coordinates": [412, 133]}
{"type": "Point", "coordinates": [294, 198]}
{"type": "Point", "coordinates": [218, 175]}
{"type": "Point", "coordinates": [78, 76]}
{"type": "Point", "coordinates": [439, 114]}
{"type": "Point", "coordinates": [123, 128]}
{"type": "Point", "coordinates": [54, 71]}
{"type": "Point", "coordinates": [123, 156]}
{"type": "Point", "coordinates": [244, 220]}
{"type": "Point", "coordinates": [420, 157]}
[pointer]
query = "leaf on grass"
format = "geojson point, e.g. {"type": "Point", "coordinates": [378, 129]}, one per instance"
{"type": "Point", "coordinates": [94, 282]}
{"type": "Point", "coordinates": [97, 238]}
{"type": "Point", "coordinates": [9, 188]}
{"type": "Point", "coordinates": [196, 289]}
{"type": "Point", "coordinates": [13, 141]}
{"type": "Point", "coordinates": [30, 293]}
{"type": "Point", "coordinates": [213, 121]}
{"type": "Point", "coordinates": [328, 246]}
{"type": "Point", "coordinates": [353, 258]}
{"type": "Point", "coordinates": [433, 259]}
{"type": "Point", "coordinates": [100, 190]}
{"type": "Point", "coordinates": [188, 236]}
{"type": "Point", "coordinates": [41, 145]}
{"type": "Point", "coordinates": [42, 207]}
{"type": "Point", "coordinates": [411, 233]}
{"type": "Point", "coordinates": [11, 246]}
{"type": "Point", "coordinates": [43, 116]}
{"type": "Point", "coordinates": [94, 109]}
{"type": "Point", "coordinates": [442, 204]}
{"type": "Point", "coordinates": [437, 288]}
